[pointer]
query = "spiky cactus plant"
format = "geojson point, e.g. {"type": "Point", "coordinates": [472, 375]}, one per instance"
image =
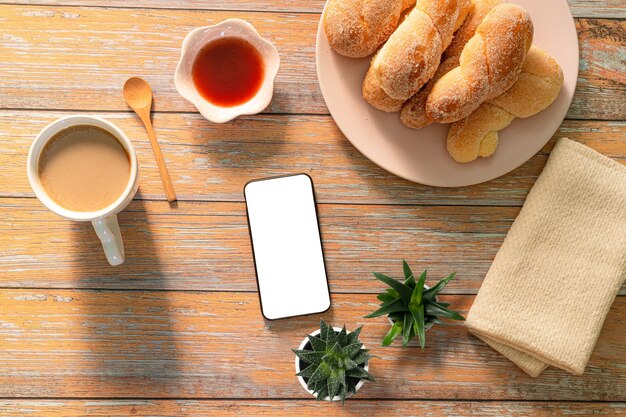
{"type": "Point", "coordinates": [334, 362]}
{"type": "Point", "coordinates": [412, 308]}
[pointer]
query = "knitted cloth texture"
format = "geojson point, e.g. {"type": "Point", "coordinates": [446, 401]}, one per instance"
{"type": "Point", "coordinates": [550, 287]}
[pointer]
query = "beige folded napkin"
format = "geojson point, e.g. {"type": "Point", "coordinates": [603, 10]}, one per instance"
{"type": "Point", "coordinates": [547, 293]}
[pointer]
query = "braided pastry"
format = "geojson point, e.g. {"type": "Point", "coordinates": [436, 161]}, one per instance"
{"type": "Point", "coordinates": [413, 112]}
{"type": "Point", "coordinates": [537, 87]}
{"type": "Point", "coordinates": [477, 11]}
{"type": "Point", "coordinates": [490, 63]}
{"type": "Point", "coordinates": [412, 54]}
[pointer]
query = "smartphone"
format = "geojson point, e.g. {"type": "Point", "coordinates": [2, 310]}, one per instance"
{"type": "Point", "coordinates": [287, 246]}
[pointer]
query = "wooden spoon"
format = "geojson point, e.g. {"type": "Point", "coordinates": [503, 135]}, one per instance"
{"type": "Point", "coordinates": [138, 96]}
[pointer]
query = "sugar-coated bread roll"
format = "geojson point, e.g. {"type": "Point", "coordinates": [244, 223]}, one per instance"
{"type": "Point", "coordinates": [357, 28]}
{"type": "Point", "coordinates": [490, 64]}
{"type": "Point", "coordinates": [413, 112]}
{"type": "Point", "coordinates": [377, 97]}
{"type": "Point", "coordinates": [536, 88]}
{"type": "Point", "coordinates": [412, 54]}
{"type": "Point", "coordinates": [477, 11]}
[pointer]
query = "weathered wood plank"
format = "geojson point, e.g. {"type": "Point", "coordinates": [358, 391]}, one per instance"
{"type": "Point", "coordinates": [58, 343]}
{"type": "Point", "coordinates": [598, 8]}
{"type": "Point", "coordinates": [213, 162]}
{"type": "Point", "coordinates": [379, 408]}
{"type": "Point", "coordinates": [600, 77]}
{"type": "Point", "coordinates": [78, 58]}
{"type": "Point", "coordinates": [580, 8]}
{"type": "Point", "coordinates": [205, 246]}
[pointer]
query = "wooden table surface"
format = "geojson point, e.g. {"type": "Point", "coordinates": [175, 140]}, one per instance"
{"type": "Point", "coordinates": [177, 329]}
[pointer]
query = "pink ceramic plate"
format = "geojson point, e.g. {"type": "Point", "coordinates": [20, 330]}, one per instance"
{"type": "Point", "coordinates": [420, 155]}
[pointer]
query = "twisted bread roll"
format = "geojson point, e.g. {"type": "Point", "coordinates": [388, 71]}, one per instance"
{"type": "Point", "coordinates": [377, 97]}
{"type": "Point", "coordinates": [413, 112]}
{"type": "Point", "coordinates": [537, 87]}
{"type": "Point", "coordinates": [412, 54]}
{"type": "Point", "coordinates": [477, 11]}
{"type": "Point", "coordinates": [356, 28]}
{"type": "Point", "coordinates": [490, 63]}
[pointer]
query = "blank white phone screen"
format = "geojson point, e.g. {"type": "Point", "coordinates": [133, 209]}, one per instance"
{"type": "Point", "coordinates": [287, 246]}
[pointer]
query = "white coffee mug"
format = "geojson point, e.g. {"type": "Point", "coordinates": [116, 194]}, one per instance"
{"type": "Point", "coordinates": [105, 219]}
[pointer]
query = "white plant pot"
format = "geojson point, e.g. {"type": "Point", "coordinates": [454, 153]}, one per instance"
{"type": "Point", "coordinates": [303, 383]}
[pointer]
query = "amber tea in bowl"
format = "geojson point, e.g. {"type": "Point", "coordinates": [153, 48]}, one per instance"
{"type": "Point", "coordinates": [227, 70]}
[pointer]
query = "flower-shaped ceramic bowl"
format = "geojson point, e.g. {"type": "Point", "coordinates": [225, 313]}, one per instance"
{"type": "Point", "coordinates": [196, 40]}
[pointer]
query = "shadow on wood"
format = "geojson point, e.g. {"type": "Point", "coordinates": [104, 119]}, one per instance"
{"type": "Point", "coordinates": [140, 343]}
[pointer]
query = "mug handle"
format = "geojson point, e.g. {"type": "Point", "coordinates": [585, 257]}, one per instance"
{"type": "Point", "coordinates": [109, 233]}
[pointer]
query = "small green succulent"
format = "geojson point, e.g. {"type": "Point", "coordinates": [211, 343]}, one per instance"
{"type": "Point", "coordinates": [412, 308]}
{"type": "Point", "coordinates": [335, 362]}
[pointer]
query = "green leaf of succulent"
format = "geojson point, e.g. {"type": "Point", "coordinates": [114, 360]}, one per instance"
{"type": "Point", "coordinates": [331, 339]}
{"type": "Point", "coordinates": [351, 350]}
{"type": "Point", "coordinates": [324, 329]}
{"type": "Point", "coordinates": [307, 372]}
{"type": "Point", "coordinates": [332, 355]}
{"type": "Point", "coordinates": [432, 292]}
{"type": "Point", "coordinates": [309, 356]}
{"type": "Point", "coordinates": [393, 293]}
{"type": "Point", "coordinates": [322, 372]}
{"type": "Point", "coordinates": [321, 393]}
{"type": "Point", "coordinates": [390, 302]}
{"type": "Point", "coordinates": [418, 324]}
{"type": "Point", "coordinates": [342, 338]}
{"type": "Point", "coordinates": [403, 290]}
{"type": "Point", "coordinates": [416, 303]}
{"type": "Point", "coordinates": [393, 333]}
{"type": "Point", "coordinates": [333, 385]}
{"type": "Point", "coordinates": [359, 372]}
{"type": "Point", "coordinates": [386, 297]}
{"type": "Point", "coordinates": [416, 296]}
{"type": "Point", "coordinates": [436, 309]}
{"type": "Point", "coordinates": [354, 336]}
{"type": "Point", "coordinates": [343, 392]}
{"type": "Point", "coordinates": [408, 274]}
{"type": "Point", "coordinates": [397, 305]}
{"type": "Point", "coordinates": [349, 364]}
{"type": "Point", "coordinates": [399, 316]}
{"type": "Point", "coordinates": [315, 387]}
{"type": "Point", "coordinates": [361, 357]}
{"type": "Point", "coordinates": [341, 374]}
{"type": "Point", "coordinates": [408, 322]}
{"type": "Point", "coordinates": [317, 343]}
